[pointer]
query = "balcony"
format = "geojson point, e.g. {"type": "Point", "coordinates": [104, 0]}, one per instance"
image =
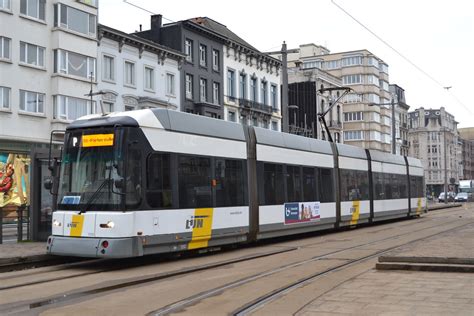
{"type": "Point", "coordinates": [256, 106]}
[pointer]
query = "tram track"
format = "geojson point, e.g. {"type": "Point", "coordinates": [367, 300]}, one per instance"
{"type": "Point", "coordinates": [123, 284]}
{"type": "Point", "coordinates": [257, 303]}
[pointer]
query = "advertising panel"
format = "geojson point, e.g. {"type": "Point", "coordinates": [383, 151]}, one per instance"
{"type": "Point", "coordinates": [302, 212]}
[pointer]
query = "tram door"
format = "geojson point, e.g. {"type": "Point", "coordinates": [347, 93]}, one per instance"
{"type": "Point", "coordinates": [42, 201]}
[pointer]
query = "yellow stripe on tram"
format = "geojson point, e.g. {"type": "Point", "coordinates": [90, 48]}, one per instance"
{"type": "Point", "coordinates": [355, 212]}
{"type": "Point", "coordinates": [76, 225]}
{"type": "Point", "coordinates": [202, 228]}
{"type": "Point", "coordinates": [418, 207]}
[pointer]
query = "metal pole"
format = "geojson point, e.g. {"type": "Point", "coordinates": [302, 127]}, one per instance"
{"type": "Point", "coordinates": [284, 90]}
{"type": "Point", "coordinates": [445, 169]}
{"type": "Point", "coordinates": [394, 147]}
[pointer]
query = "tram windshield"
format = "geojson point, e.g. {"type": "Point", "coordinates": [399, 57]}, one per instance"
{"type": "Point", "coordinates": [92, 171]}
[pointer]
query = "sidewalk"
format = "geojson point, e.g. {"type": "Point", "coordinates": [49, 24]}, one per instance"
{"type": "Point", "coordinates": [15, 252]}
{"type": "Point", "coordinates": [402, 292]}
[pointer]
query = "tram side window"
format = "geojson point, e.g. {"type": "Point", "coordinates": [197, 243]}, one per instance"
{"type": "Point", "coordinates": [134, 176]}
{"type": "Point", "coordinates": [379, 186]}
{"type": "Point", "coordinates": [395, 186]}
{"type": "Point", "coordinates": [159, 193]}
{"type": "Point", "coordinates": [310, 190]}
{"type": "Point", "coordinates": [402, 186]}
{"type": "Point", "coordinates": [326, 185]}
{"type": "Point", "coordinates": [416, 186]}
{"type": "Point", "coordinates": [273, 183]}
{"type": "Point", "coordinates": [230, 182]}
{"type": "Point", "coordinates": [194, 182]}
{"type": "Point", "coordinates": [293, 183]}
{"type": "Point", "coordinates": [354, 185]}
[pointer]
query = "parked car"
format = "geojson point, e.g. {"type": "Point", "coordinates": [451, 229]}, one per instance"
{"type": "Point", "coordinates": [450, 197]}
{"type": "Point", "coordinates": [462, 197]}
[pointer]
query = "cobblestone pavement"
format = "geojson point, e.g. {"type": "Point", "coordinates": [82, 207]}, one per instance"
{"type": "Point", "coordinates": [24, 249]}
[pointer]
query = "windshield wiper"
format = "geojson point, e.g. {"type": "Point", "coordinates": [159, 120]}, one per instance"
{"type": "Point", "coordinates": [94, 196]}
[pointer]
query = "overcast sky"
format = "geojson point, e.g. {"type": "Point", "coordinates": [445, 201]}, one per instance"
{"type": "Point", "coordinates": [437, 36]}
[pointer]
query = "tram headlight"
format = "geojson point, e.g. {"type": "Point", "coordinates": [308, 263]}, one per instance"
{"type": "Point", "coordinates": [56, 223]}
{"type": "Point", "coordinates": [110, 224]}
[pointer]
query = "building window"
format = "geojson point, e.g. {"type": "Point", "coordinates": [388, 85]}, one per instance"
{"type": "Point", "coordinates": [353, 135]}
{"type": "Point", "coordinates": [129, 74]}
{"type": "Point", "coordinates": [352, 61]}
{"type": "Point", "coordinates": [333, 64]}
{"type": "Point", "coordinates": [215, 59]}
{"type": "Point", "coordinates": [4, 98]}
{"type": "Point", "coordinates": [265, 124]}
{"type": "Point", "coordinates": [372, 61]}
{"type": "Point", "coordinates": [74, 20]}
{"type": "Point", "coordinates": [149, 78]}
{"type": "Point", "coordinates": [5, 5]}
{"type": "Point", "coordinates": [170, 90]}
{"type": "Point", "coordinates": [70, 63]}
{"type": "Point", "coordinates": [353, 116]}
{"type": "Point", "coordinates": [253, 89]}
{"type": "Point", "coordinates": [231, 116]}
{"type": "Point", "coordinates": [273, 96]}
{"type": "Point", "coordinates": [373, 98]}
{"type": "Point", "coordinates": [31, 54]}
{"type": "Point", "coordinates": [69, 108]}
{"type": "Point", "coordinates": [31, 102]}
{"type": "Point", "coordinates": [202, 55]}
{"type": "Point", "coordinates": [93, 3]}
{"type": "Point", "coordinates": [188, 49]}
{"type": "Point", "coordinates": [215, 93]}
{"type": "Point", "coordinates": [255, 121]}
{"type": "Point", "coordinates": [351, 79]}
{"type": "Point", "coordinates": [5, 44]}
{"type": "Point", "coordinates": [243, 86]}
{"type": "Point", "coordinates": [384, 85]}
{"type": "Point", "coordinates": [231, 83]}
{"type": "Point", "coordinates": [203, 89]}
{"type": "Point", "coordinates": [353, 98]}
{"type": "Point", "coordinates": [108, 107]}
{"type": "Point", "coordinates": [274, 126]}
{"type": "Point", "coordinates": [189, 86]}
{"type": "Point", "coordinates": [264, 90]}
{"type": "Point", "coordinates": [108, 68]}
{"type": "Point", "coordinates": [33, 8]}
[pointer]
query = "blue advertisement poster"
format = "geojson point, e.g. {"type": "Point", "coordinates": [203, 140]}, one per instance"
{"type": "Point", "coordinates": [301, 212]}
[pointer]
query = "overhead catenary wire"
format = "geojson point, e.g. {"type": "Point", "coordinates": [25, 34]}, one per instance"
{"type": "Point", "coordinates": [146, 10]}
{"type": "Point", "coordinates": [402, 55]}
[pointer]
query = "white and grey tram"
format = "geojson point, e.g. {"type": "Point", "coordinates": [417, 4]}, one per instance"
{"type": "Point", "coordinates": [157, 181]}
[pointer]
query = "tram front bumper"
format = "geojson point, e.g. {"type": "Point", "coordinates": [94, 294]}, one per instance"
{"type": "Point", "coordinates": [94, 247]}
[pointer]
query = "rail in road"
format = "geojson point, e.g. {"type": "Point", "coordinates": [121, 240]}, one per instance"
{"type": "Point", "coordinates": [268, 272]}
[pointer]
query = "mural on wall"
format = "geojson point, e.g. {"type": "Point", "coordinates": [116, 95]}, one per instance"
{"type": "Point", "coordinates": [14, 179]}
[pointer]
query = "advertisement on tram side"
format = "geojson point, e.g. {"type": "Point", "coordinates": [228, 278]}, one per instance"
{"type": "Point", "coordinates": [302, 212]}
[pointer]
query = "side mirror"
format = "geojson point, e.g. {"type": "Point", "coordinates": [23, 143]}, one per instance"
{"type": "Point", "coordinates": [48, 184]}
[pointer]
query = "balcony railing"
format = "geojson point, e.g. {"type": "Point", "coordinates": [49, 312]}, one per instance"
{"type": "Point", "coordinates": [251, 105]}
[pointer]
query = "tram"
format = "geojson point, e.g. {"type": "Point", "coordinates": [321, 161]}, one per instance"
{"type": "Point", "coordinates": [157, 181]}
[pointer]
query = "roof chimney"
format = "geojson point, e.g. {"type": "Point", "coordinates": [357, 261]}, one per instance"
{"type": "Point", "coordinates": [155, 27]}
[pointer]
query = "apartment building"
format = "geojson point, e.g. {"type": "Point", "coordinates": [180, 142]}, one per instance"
{"type": "Point", "coordinates": [401, 119]}
{"type": "Point", "coordinates": [367, 109]}
{"type": "Point", "coordinates": [47, 63]}
{"type": "Point", "coordinates": [434, 139]}
{"type": "Point", "coordinates": [466, 136]}
{"type": "Point", "coordinates": [135, 73]}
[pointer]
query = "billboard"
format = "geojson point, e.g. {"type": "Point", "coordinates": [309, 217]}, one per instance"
{"type": "Point", "coordinates": [302, 212]}
{"type": "Point", "coordinates": [14, 179]}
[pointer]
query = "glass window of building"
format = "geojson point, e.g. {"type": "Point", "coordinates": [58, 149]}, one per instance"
{"type": "Point", "coordinates": [108, 68]}
{"type": "Point", "coordinates": [149, 78]}
{"type": "Point", "coordinates": [4, 98]}
{"type": "Point", "coordinates": [351, 79]}
{"type": "Point", "coordinates": [32, 102]}
{"type": "Point", "coordinates": [69, 108]}
{"type": "Point", "coordinates": [273, 96]}
{"type": "Point", "coordinates": [170, 89]}
{"type": "Point", "coordinates": [189, 86]}
{"type": "Point", "coordinates": [188, 49]}
{"type": "Point", "coordinates": [242, 85]}
{"type": "Point", "coordinates": [264, 92]}
{"type": "Point", "coordinates": [231, 83]}
{"type": "Point", "coordinates": [215, 93]}
{"type": "Point", "coordinates": [231, 116]}
{"type": "Point", "coordinates": [33, 8]}
{"type": "Point", "coordinates": [129, 73]}
{"type": "Point", "coordinates": [74, 20]}
{"type": "Point", "coordinates": [215, 60]}
{"type": "Point", "coordinates": [5, 5]}
{"type": "Point", "coordinates": [70, 63]}
{"type": "Point", "coordinates": [202, 55]}
{"type": "Point", "coordinates": [32, 54]}
{"type": "Point", "coordinates": [203, 89]}
{"type": "Point", "coordinates": [352, 61]}
{"type": "Point", "coordinates": [5, 44]}
{"type": "Point", "coordinates": [253, 89]}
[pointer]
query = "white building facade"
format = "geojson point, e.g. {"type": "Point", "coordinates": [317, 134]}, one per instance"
{"type": "Point", "coordinates": [135, 73]}
{"type": "Point", "coordinates": [47, 61]}
{"type": "Point", "coordinates": [251, 87]}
